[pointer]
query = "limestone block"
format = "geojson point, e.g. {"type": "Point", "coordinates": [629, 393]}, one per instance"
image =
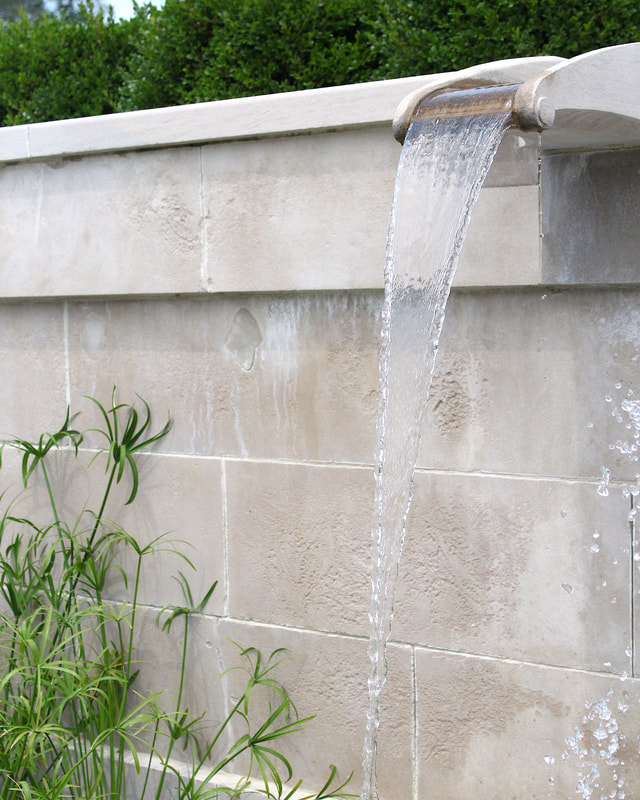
{"type": "Point", "coordinates": [312, 213]}
{"type": "Point", "coordinates": [125, 224]}
{"type": "Point", "coordinates": [31, 503]}
{"type": "Point", "coordinates": [534, 382]}
{"type": "Point", "coordinates": [521, 569]}
{"type": "Point", "coordinates": [516, 160]}
{"type": "Point", "coordinates": [301, 213]}
{"type": "Point", "coordinates": [299, 545]}
{"type": "Point", "coordinates": [158, 655]}
{"type": "Point", "coordinates": [179, 497]}
{"type": "Point", "coordinates": [589, 205]}
{"type": "Point", "coordinates": [178, 508]}
{"type": "Point", "coordinates": [493, 254]}
{"type": "Point", "coordinates": [326, 676]}
{"type": "Point", "coordinates": [259, 376]}
{"type": "Point", "coordinates": [32, 369]}
{"type": "Point", "coordinates": [495, 730]}
{"type": "Point", "coordinates": [14, 143]}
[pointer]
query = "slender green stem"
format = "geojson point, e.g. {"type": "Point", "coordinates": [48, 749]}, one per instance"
{"type": "Point", "coordinates": [221, 730]}
{"type": "Point", "coordinates": [52, 501]}
{"type": "Point", "coordinates": [172, 740]}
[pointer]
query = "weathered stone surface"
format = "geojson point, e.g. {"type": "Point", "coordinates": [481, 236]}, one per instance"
{"type": "Point", "coordinates": [522, 569]}
{"type": "Point", "coordinates": [492, 255]}
{"type": "Point", "coordinates": [310, 392]}
{"type": "Point", "coordinates": [158, 655]}
{"type": "Point", "coordinates": [516, 161]}
{"type": "Point", "coordinates": [589, 205]}
{"type": "Point", "coordinates": [304, 212]}
{"type": "Point", "coordinates": [522, 381]}
{"type": "Point", "coordinates": [299, 545]}
{"type": "Point", "coordinates": [126, 224]}
{"type": "Point", "coordinates": [326, 676]}
{"type": "Point", "coordinates": [182, 499]}
{"type": "Point", "coordinates": [32, 369]}
{"type": "Point", "coordinates": [178, 509]}
{"type": "Point", "coordinates": [495, 730]}
{"type": "Point", "coordinates": [324, 202]}
{"type": "Point", "coordinates": [14, 143]}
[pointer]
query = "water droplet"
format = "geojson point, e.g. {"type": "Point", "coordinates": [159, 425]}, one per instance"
{"type": "Point", "coordinates": [600, 734]}
{"type": "Point", "coordinates": [589, 425]}
{"type": "Point", "coordinates": [618, 386]}
{"type": "Point", "coordinates": [596, 535]}
{"type": "Point", "coordinates": [603, 489]}
{"type": "Point", "coordinates": [623, 676]}
{"type": "Point", "coordinates": [595, 548]}
{"type": "Point", "coordinates": [608, 398]}
{"type": "Point", "coordinates": [549, 760]}
{"type": "Point", "coordinates": [607, 664]}
{"type": "Point", "coordinates": [564, 513]}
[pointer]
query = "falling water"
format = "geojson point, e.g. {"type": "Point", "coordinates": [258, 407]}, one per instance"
{"type": "Point", "coordinates": [442, 168]}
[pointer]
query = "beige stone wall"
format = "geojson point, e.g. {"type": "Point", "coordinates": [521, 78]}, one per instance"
{"type": "Point", "coordinates": [236, 283]}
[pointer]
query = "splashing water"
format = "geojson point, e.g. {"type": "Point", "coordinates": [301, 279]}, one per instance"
{"type": "Point", "coordinates": [597, 747]}
{"type": "Point", "coordinates": [442, 168]}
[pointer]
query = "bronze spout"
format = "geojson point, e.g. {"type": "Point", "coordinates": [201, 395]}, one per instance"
{"type": "Point", "coordinates": [461, 102]}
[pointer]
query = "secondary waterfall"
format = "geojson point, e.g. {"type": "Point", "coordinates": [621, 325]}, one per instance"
{"type": "Point", "coordinates": [442, 167]}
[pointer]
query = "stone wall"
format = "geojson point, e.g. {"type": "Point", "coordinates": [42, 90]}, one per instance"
{"type": "Point", "coordinates": [225, 262]}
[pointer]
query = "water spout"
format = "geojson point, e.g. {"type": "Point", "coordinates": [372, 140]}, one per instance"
{"type": "Point", "coordinates": [527, 112]}
{"type": "Point", "coordinates": [590, 101]}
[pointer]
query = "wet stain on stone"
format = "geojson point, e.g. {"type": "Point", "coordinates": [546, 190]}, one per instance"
{"type": "Point", "coordinates": [244, 338]}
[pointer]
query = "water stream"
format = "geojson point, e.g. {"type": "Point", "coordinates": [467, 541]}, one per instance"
{"type": "Point", "coordinates": [442, 168]}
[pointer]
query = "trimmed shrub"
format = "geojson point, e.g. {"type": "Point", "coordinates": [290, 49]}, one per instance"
{"type": "Point", "coordinates": [426, 36]}
{"type": "Point", "coordinates": [215, 49]}
{"type": "Point", "coordinates": [57, 68]}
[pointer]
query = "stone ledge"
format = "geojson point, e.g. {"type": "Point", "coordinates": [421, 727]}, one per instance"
{"type": "Point", "coordinates": [290, 113]}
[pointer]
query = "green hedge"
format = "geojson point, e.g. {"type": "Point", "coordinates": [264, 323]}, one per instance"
{"type": "Point", "coordinates": [54, 68]}
{"type": "Point", "coordinates": [424, 36]}
{"type": "Point", "coordinates": [195, 50]}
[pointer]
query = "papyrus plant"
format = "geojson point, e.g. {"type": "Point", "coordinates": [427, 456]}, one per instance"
{"type": "Point", "coordinates": [71, 714]}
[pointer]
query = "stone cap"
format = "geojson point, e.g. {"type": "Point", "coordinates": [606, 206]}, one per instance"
{"type": "Point", "coordinates": [267, 116]}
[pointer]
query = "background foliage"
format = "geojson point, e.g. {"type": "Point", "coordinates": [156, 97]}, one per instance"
{"type": "Point", "coordinates": [57, 67]}
{"type": "Point", "coordinates": [70, 63]}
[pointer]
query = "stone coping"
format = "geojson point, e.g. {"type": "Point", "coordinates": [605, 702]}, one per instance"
{"type": "Point", "coordinates": [290, 113]}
